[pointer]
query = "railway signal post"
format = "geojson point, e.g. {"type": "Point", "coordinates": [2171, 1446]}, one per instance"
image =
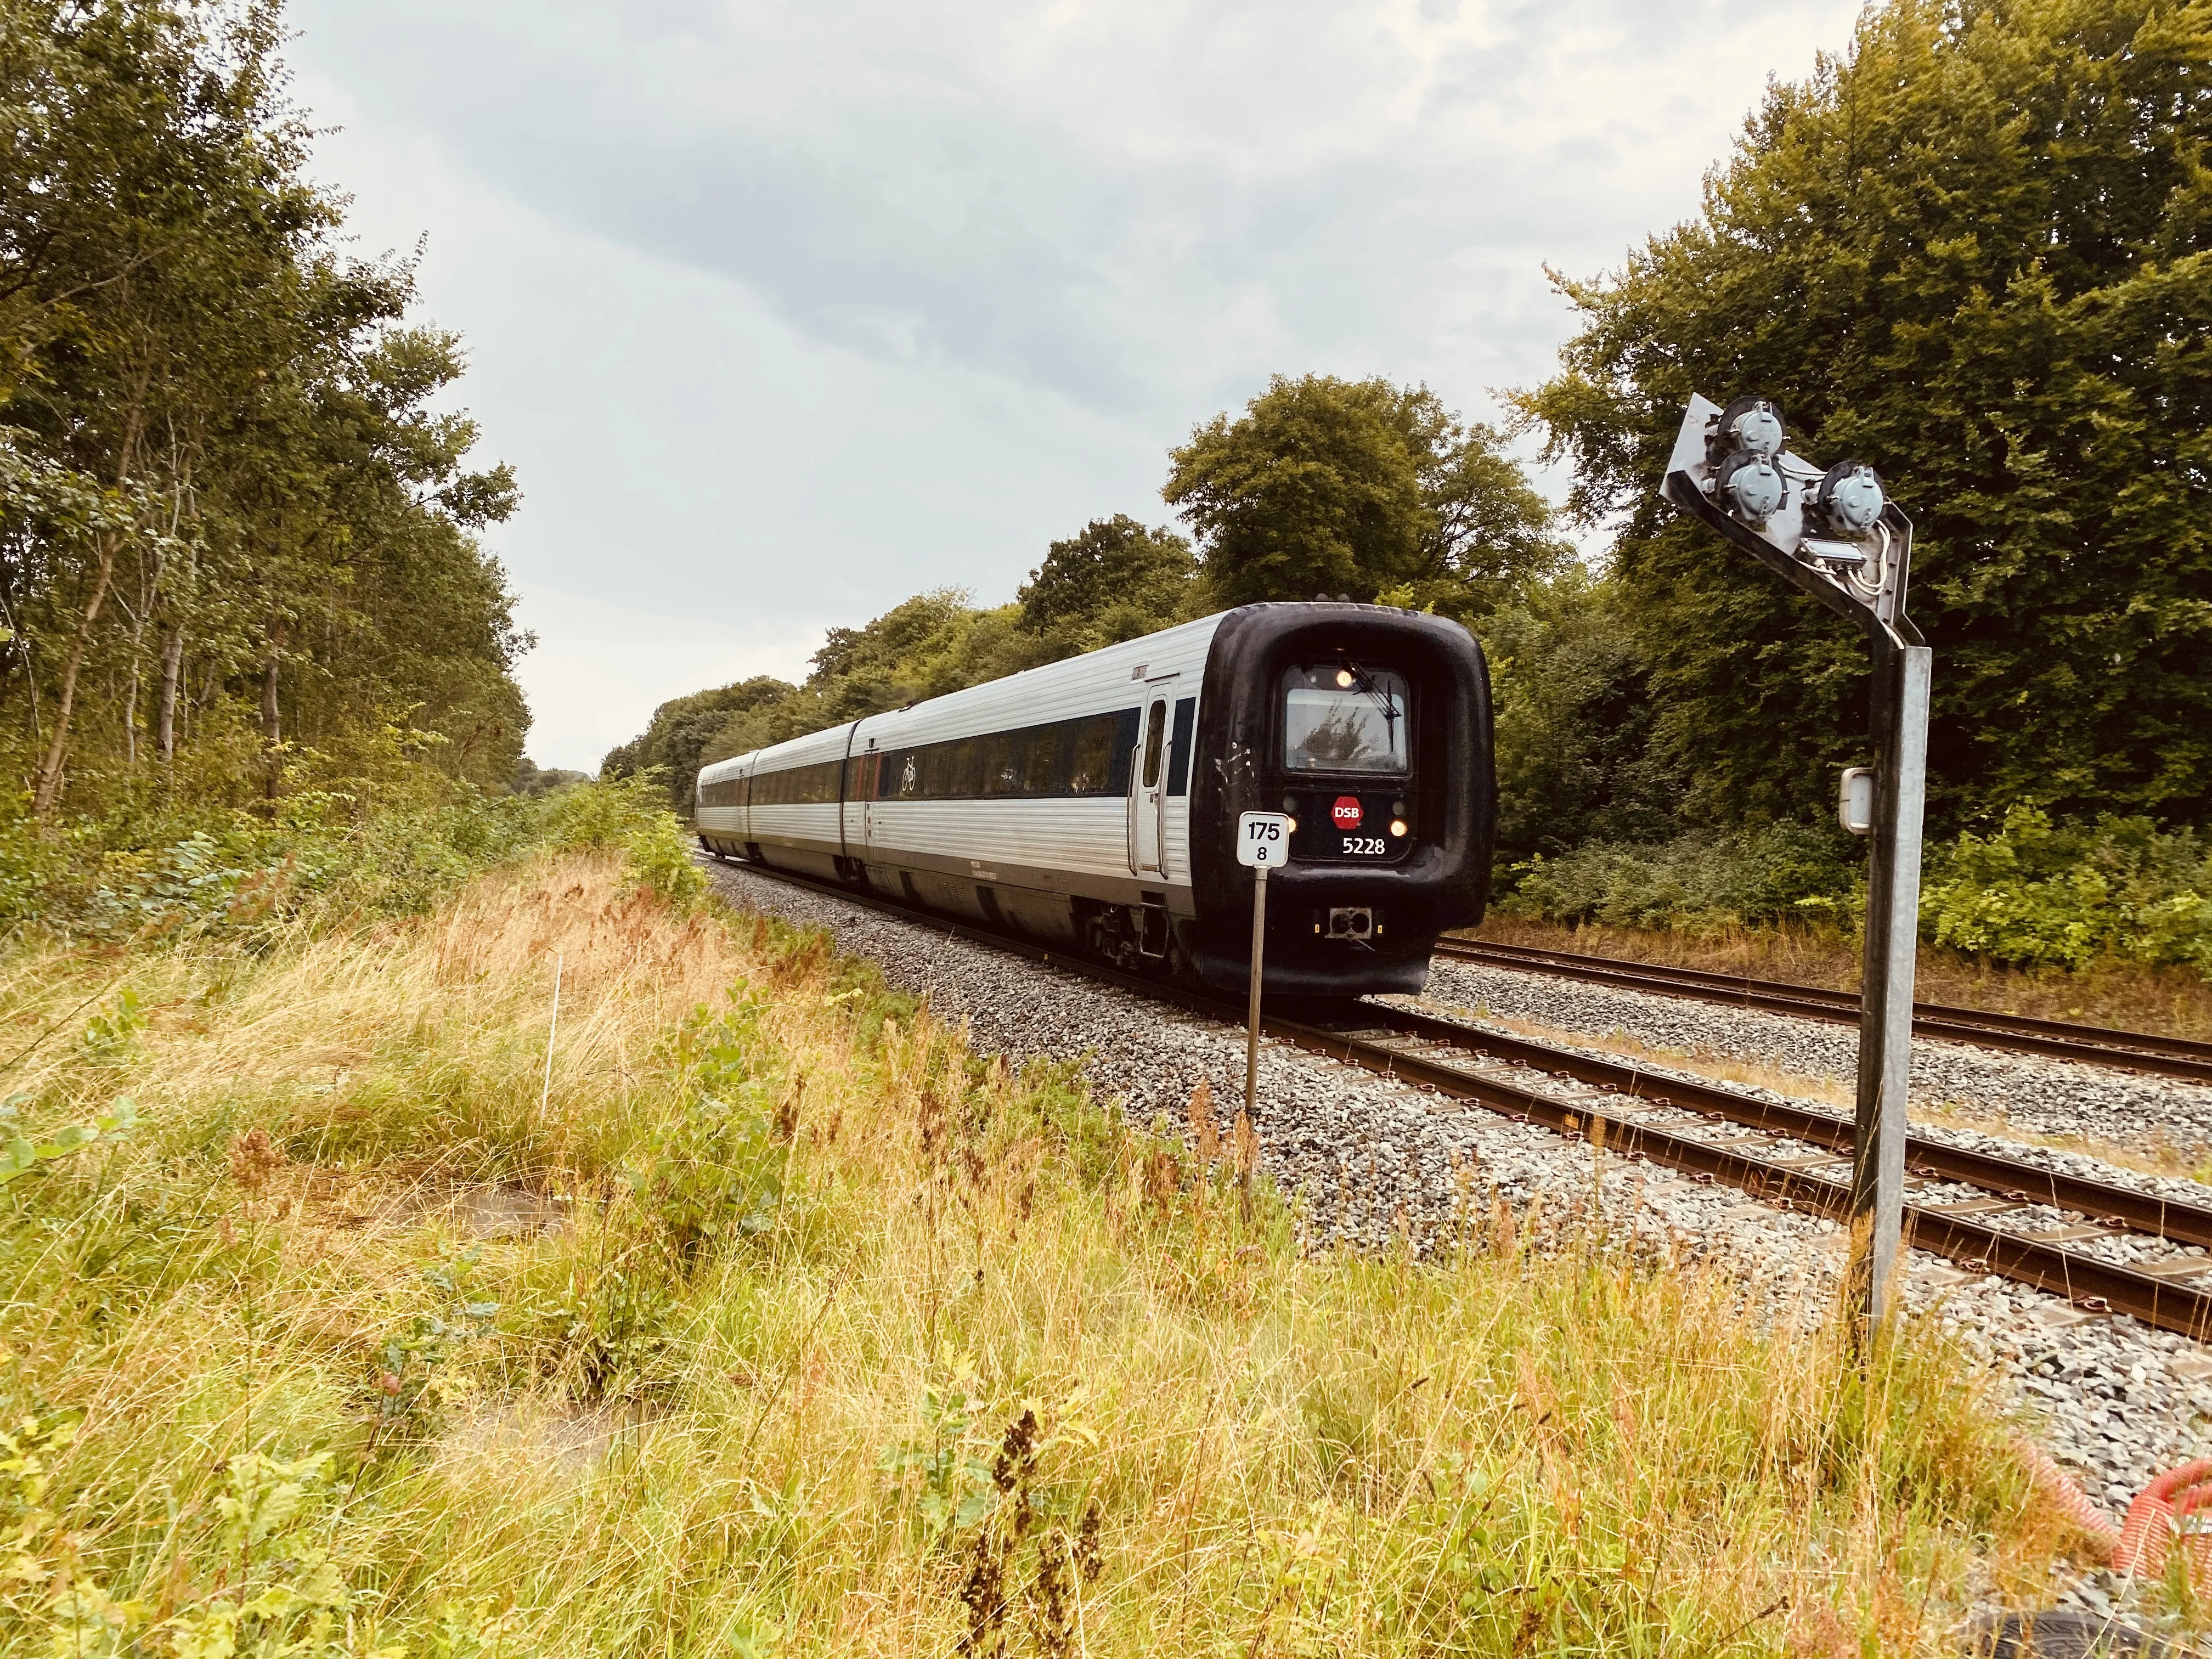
{"type": "Point", "coordinates": [1263, 841]}
{"type": "Point", "coordinates": [1834, 534]}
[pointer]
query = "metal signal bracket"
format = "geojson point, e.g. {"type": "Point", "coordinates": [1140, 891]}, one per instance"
{"type": "Point", "coordinates": [1860, 575]}
{"type": "Point", "coordinates": [1834, 534]}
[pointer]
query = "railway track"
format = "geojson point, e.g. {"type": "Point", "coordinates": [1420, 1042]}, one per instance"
{"type": "Point", "coordinates": [2125, 1051]}
{"type": "Point", "coordinates": [1788, 1156]}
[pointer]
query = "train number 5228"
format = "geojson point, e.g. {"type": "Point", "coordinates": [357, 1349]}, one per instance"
{"type": "Point", "coordinates": [1361, 846]}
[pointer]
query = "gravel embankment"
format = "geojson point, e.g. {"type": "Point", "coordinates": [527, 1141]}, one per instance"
{"type": "Point", "coordinates": [2042, 1096]}
{"type": "Point", "coordinates": [2116, 1401]}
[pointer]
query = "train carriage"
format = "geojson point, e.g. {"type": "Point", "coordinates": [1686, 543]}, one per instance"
{"type": "Point", "coordinates": [1091, 803]}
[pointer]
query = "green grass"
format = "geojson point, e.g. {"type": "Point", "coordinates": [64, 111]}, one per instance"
{"type": "Point", "coordinates": [803, 1330]}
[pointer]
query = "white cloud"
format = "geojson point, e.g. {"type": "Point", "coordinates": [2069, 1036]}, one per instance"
{"type": "Point", "coordinates": [591, 645]}
{"type": "Point", "coordinates": [797, 309]}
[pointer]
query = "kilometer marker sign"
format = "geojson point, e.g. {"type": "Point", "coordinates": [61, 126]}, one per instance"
{"type": "Point", "coordinates": [1263, 839]}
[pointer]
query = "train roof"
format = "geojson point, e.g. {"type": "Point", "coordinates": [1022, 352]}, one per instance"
{"type": "Point", "coordinates": [1030, 688]}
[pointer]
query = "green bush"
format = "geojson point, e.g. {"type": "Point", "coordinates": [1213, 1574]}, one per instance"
{"type": "Point", "coordinates": [2067, 895]}
{"type": "Point", "coordinates": [322, 855]}
{"type": "Point", "coordinates": [2035, 893]}
{"type": "Point", "coordinates": [1701, 881]}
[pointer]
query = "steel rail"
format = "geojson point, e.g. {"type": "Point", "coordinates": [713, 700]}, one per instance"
{"type": "Point", "coordinates": [2125, 1208]}
{"type": "Point", "coordinates": [1483, 1071]}
{"type": "Point", "coordinates": [1951, 1231]}
{"type": "Point", "coordinates": [2126, 1051]}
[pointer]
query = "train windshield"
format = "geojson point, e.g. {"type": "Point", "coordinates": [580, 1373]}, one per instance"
{"type": "Point", "coordinates": [1340, 717]}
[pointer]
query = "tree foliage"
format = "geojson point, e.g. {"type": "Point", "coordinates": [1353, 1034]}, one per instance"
{"type": "Point", "coordinates": [1976, 252]}
{"type": "Point", "coordinates": [1116, 580]}
{"type": "Point", "coordinates": [675, 741]}
{"type": "Point", "coordinates": [231, 527]}
{"type": "Point", "coordinates": [1322, 485]}
{"type": "Point", "coordinates": [1576, 760]}
{"type": "Point", "coordinates": [1363, 488]}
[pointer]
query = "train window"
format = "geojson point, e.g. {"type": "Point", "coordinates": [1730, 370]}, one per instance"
{"type": "Point", "coordinates": [967, 776]}
{"type": "Point", "coordinates": [798, 786]}
{"type": "Point", "coordinates": [1186, 714]}
{"type": "Point", "coordinates": [1001, 764]}
{"type": "Point", "coordinates": [1041, 768]}
{"type": "Point", "coordinates": [1339, 717]}
{"type": "Point", "coordinates": [1155, 740]}
{"type": "Point", "coordinates": [1087, 756]}
{"type": "Point", "coordinates": [1091, 754]}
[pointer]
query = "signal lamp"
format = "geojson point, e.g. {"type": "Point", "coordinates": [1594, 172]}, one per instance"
{"type": "Point", "coordinates": [1851, 497]}
{"type": "Point", "coordinates": [1755, 425]}
{"type": "Point", "coordinates": [1343, 678]}
{"type": "Point", "coordinates": [1750, 485]}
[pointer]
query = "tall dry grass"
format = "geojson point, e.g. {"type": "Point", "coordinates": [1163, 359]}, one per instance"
{"type": "Point", "coordinates": [781, 1323]}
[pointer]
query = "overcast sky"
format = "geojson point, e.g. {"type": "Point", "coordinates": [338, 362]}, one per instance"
{"type": "Point", "coordinates": [784, 312]}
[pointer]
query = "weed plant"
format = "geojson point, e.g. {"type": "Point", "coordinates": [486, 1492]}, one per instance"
{"type": "Point", "coordinates": [779, 1322]}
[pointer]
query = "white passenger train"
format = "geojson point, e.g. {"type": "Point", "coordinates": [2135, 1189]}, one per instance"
{"type": "Point", "coordinates": [1092, 803]}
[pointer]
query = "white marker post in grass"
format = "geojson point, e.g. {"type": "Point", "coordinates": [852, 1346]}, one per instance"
{"type": "Point", "coordinates": [1263, 841]}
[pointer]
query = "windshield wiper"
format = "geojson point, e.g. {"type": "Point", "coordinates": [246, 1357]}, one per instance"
{"type": "Point", "coordinates": [1384, 701]}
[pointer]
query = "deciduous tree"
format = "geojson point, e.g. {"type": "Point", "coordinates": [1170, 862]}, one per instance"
{"type": "Point", "coordinates": [1977, 252]}
{"type": "Point", "coordinates": [1114, 581]}
{"type": "Point", "coordinates": [231, 519]}
{"type": "Point", "coordinates": [1359, 487]}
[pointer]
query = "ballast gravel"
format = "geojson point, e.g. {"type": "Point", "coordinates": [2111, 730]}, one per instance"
{"type": "Point", "coordinates": [1480, 1017]}
{"type": "Point", "coordinates": [2061, 1099]}
{"type": "Point", "coordinates": [1372, 1160]}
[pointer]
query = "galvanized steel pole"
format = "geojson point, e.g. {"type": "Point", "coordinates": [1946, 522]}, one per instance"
{"type": "Point", "coordinates": [1899, 730]}
{"type": "Point", "coordinates": [1252, 1001]}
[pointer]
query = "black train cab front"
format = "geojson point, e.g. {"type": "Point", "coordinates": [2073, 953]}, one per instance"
{"type": "Point", "coordinates": [1370, 727]}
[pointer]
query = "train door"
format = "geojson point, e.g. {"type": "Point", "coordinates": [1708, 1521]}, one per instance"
{"type": "Point", "coordinates": [1148, 787]}
{"type": "Point", "coordinates": [867, 793]}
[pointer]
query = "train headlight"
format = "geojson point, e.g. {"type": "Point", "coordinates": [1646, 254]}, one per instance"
{"type": "Point", "coordinates": [1750, 486]}
{"type": "Point", "coordinates": [1397, 826]}
{"type": "Point", "coordinates": [1852, 498]}
{"type": "Point", "coordinates": [1344, 678]}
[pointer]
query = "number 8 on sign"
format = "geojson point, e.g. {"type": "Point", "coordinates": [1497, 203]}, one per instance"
{"type": "Point", "coordinates": [1263, 839]}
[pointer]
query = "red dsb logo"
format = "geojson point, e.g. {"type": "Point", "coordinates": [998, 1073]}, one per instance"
{"type": "Point", "coordinates": [1346, 812]}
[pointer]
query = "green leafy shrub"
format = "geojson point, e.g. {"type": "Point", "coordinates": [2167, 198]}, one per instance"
{"type": "Point", "coordinates": [1701, 881]}
{"type": "Point", "coordinates": [2068, 894]}
{"type": "Point", "coordinates": [713, 1173]}
{"type": "Point", "coordinates": [325, 854]}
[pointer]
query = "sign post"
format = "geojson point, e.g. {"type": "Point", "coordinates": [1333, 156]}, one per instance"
{"type": "Point", "coordinates": [1263, 841]}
